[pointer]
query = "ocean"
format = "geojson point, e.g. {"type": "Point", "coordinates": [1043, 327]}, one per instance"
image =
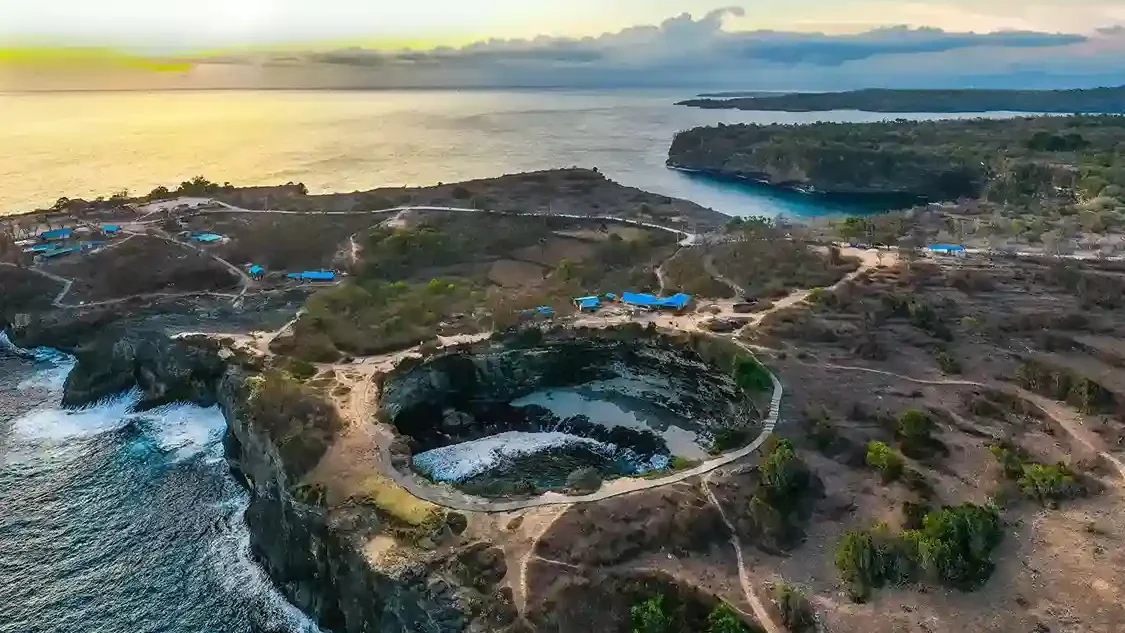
{"type": "Point", "coordinates": [112, 522]}
{"type": "Point", "coordinates": [86, 144]}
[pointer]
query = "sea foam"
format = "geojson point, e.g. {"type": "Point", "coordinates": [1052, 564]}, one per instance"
{"type": "Point", "coordinates": [459, 462]}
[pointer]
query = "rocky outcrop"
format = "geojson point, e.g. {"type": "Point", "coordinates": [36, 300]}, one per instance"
{"type": "Point", "coordinates": [316, 555]}
{"type": "Point", "coordinates": [164, 370]}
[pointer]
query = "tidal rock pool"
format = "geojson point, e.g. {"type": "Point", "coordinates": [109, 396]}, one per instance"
{"type": "Point", "coordinates": [497, 420]}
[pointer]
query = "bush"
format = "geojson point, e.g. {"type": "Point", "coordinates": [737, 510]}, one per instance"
{"type": "Point", "coordinates": [651, 616]}
{"type": "Point", "coordinates": [797, 612]}
{"type": "Point", "coordinates": [948, 364]}
{"type": "Point", "coordinates": [300, 369]}
{"type": "Point", "coordinates": [916, 432]}
{"type": "Point", "coordinates": [885, 460]}
{"type": "Point", "coordinates": [1046, 483]}
{"type": "Point", "coordinates": [730, 438]}
{"type": "Point", "coordinates": [752, 376]}
{"type": "Point", "coordinates": [724, 619]}
{"type": "Point", "coordinates": [956, 544]}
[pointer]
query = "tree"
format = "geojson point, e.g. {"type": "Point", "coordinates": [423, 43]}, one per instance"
{"type": "Point", "coordinates": [916, 432]}
{"type": "Point", "coordinates": [884, 459]}
{"type": "Point", "coordinates": [650, 616]}
{"type": "Point", "coordinates": [797, 612]}
{"type": "Point", "coordinates": [723, 619]}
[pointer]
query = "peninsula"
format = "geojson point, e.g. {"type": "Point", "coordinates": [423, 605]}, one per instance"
{"type": "Point", "coordinates": [1090, 101]}
{"type": "Point", "coordinates": [547, 402]}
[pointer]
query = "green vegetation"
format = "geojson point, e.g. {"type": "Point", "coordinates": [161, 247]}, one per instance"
{"type": "Point", "coordinates": [916, 434]}
{"type": "Point", "coordinates": [766, 264]}
{"type": "Point", "coordinates": [953, 547]}
{"type": "Point", "coordinates": [1082, 393]}
{"type": "Point", "coordinates": [1093, 101]}
{"type": "Point", "coordinates": [797, 613]}
{"type": "Point", "coordinates": [656, 614]}
{"type": "Point", "coordinates": [1046, 483]}
{"type": "Point", "coordinates": [948, 363]}
{"type": "Point", "coordinates": [1039, 161]}
{"type": "Point", "coordinates": [752, 376]}
{"type": "Point", "coordinates": [780, 504]}
{"type": "Point", "coordinates": [884, 459]}
{"type": "Point", "coordinates": [729, 439]}
{"type": "Point", "coordinates": [299, 422]}
{"type": "Point", "coordinates": [374, 317]}
{"type": "Point", "coordinates": [919, 313]}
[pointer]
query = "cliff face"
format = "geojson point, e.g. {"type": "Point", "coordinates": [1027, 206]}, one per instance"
{"type": "Point", "coordinates": [821, 159]}
{"type": "Point", "coordinates": [315, 555]}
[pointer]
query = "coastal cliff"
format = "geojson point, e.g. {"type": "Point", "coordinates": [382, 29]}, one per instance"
{"type": "Point", "coordinates": [315, 555]}
{"type": "Point", "coordinates": [821, 159]}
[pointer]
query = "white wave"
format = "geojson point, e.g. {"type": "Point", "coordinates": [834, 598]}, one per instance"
{"type": "Point", "coordinates": [461, 461]}
{"type": "Point", "coordinates": [54, 366]}
{"type": "Point", "coordinates": [59, 424]}
{"type": "Point", "coordinates": [231, 560]}
{"type": "Point", "coordinates": [186, 430]}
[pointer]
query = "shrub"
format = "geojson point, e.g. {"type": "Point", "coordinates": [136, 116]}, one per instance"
{"type": "Point", "coordinates": [751, 375]}
{"type": "Point", "coordinates": [730, 438]}
{"type": "Point", "coordinates": [916, 432]}
{"type": "Point", "coordinates": [956, 544]}
{"type": "Point", "coordinates": [1047, 482]}
{"type": "Point", "coordinates": [300, 369]}
{"type": "Point", "coordinates": [723, 619]}
{"type": "Point", "coordinates": [885, 460]}
{"type": "Point", "coordinates": [948, 364]}
{"type": "Point", "coordinates": [797, 612]}
{"type": "Point", "coordinates": [651, 616]}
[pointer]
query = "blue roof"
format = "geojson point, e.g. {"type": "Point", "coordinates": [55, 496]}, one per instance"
{"type": "Point", "coordinates": [111, 228]}
{"type": "Point", "coordinates": [612, 296]}
{"type": "Point", "coordinates": [545, 310]}
{"type": "Point", "coordinates": [313, 275]}
{"type": "Point", "coordinates": [36, 248]}
{"type": "Point", "coordinates": [61, 251]}
{"type": "Point", "coordinates": [206, 237]}
{"type": "Point", "coordinates": [644, 299]}
{"type": "Point", "coordinates": [56, 234]}
{"type": "Point", "coordinates": [588, 303]}
{"type": "Point", "coordinates": [946, 247]}
{"type": "Point", "coordinates": [256, 269]}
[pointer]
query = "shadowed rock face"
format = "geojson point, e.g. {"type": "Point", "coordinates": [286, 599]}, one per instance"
{"type": "Point", "coordinates": [467, 395]}
{"type": "Point", "coordinates": [164, 370]}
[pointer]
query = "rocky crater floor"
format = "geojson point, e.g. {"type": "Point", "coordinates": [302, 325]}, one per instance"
{"type": "Point", "coordinates": [505, 418]}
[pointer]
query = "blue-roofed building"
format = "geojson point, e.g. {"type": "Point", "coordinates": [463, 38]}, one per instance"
{"type": "Point", "coordinates": [313, 275]}
{"type": "Point", "coordinates": [111, 229]}
{"type": "Point", "coordinates": [206, 238]}
{"type": "Point", "coordinates": [56, 234]}
{"type": "Point", "coordinates": [39, 248]}
{"type": "Point", "coordinates": [545, 311]}
{"type": "Point", "coordinates": [611, 296]}
{"type": "Point", "coordinates": [256, 270]}
{"type": "Point", "coordinates": [946, 249]}
{"type": "Point", "coordinates": [590, 304]}
{"type": "Point", "coordinates": [58, 252]}
{"type": "Point", "coordinates": [645, 300]}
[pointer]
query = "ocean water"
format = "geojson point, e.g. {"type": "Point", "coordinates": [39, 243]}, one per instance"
{"type": "Point", "coordinates": [90, 144]}
{"type": "Point", "coordinates": [114, 522]}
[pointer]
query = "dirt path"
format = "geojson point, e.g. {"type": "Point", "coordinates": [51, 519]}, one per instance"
{"type": "Point", "coordinates": [709, 267]}
{"type": "Point", "coordinates": [760, 611]}
{"type": "Point", "coordinates": [1069, 419]}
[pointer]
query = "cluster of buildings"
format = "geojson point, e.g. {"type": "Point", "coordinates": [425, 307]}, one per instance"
{"type": "Point", "coordinates": [639, 300]}
{"type": "Point", "coordinates": [58, 242]}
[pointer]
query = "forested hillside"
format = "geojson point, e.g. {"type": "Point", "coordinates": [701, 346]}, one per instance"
{"type": "Point", "coordinates": [1012, 161]}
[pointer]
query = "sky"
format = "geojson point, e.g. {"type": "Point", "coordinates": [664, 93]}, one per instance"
{"type": "Point", "coordinates": [178, 25]}
{"type": "Point", "coordinates": [750, 44]}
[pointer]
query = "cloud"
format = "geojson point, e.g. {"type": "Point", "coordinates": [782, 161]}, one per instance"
{"type": "Point", "coordinates": [688, 52]}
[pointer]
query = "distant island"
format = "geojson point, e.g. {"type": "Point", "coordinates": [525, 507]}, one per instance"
{"type": "Point", "coordinates": [1093, 101]}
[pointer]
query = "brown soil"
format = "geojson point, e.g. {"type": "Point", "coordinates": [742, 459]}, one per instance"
{"type": "Point", "coordinates": [141, 265]}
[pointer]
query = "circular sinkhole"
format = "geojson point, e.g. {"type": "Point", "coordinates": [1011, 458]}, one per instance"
{"type": "Point", "coordinates": [572, 408]}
